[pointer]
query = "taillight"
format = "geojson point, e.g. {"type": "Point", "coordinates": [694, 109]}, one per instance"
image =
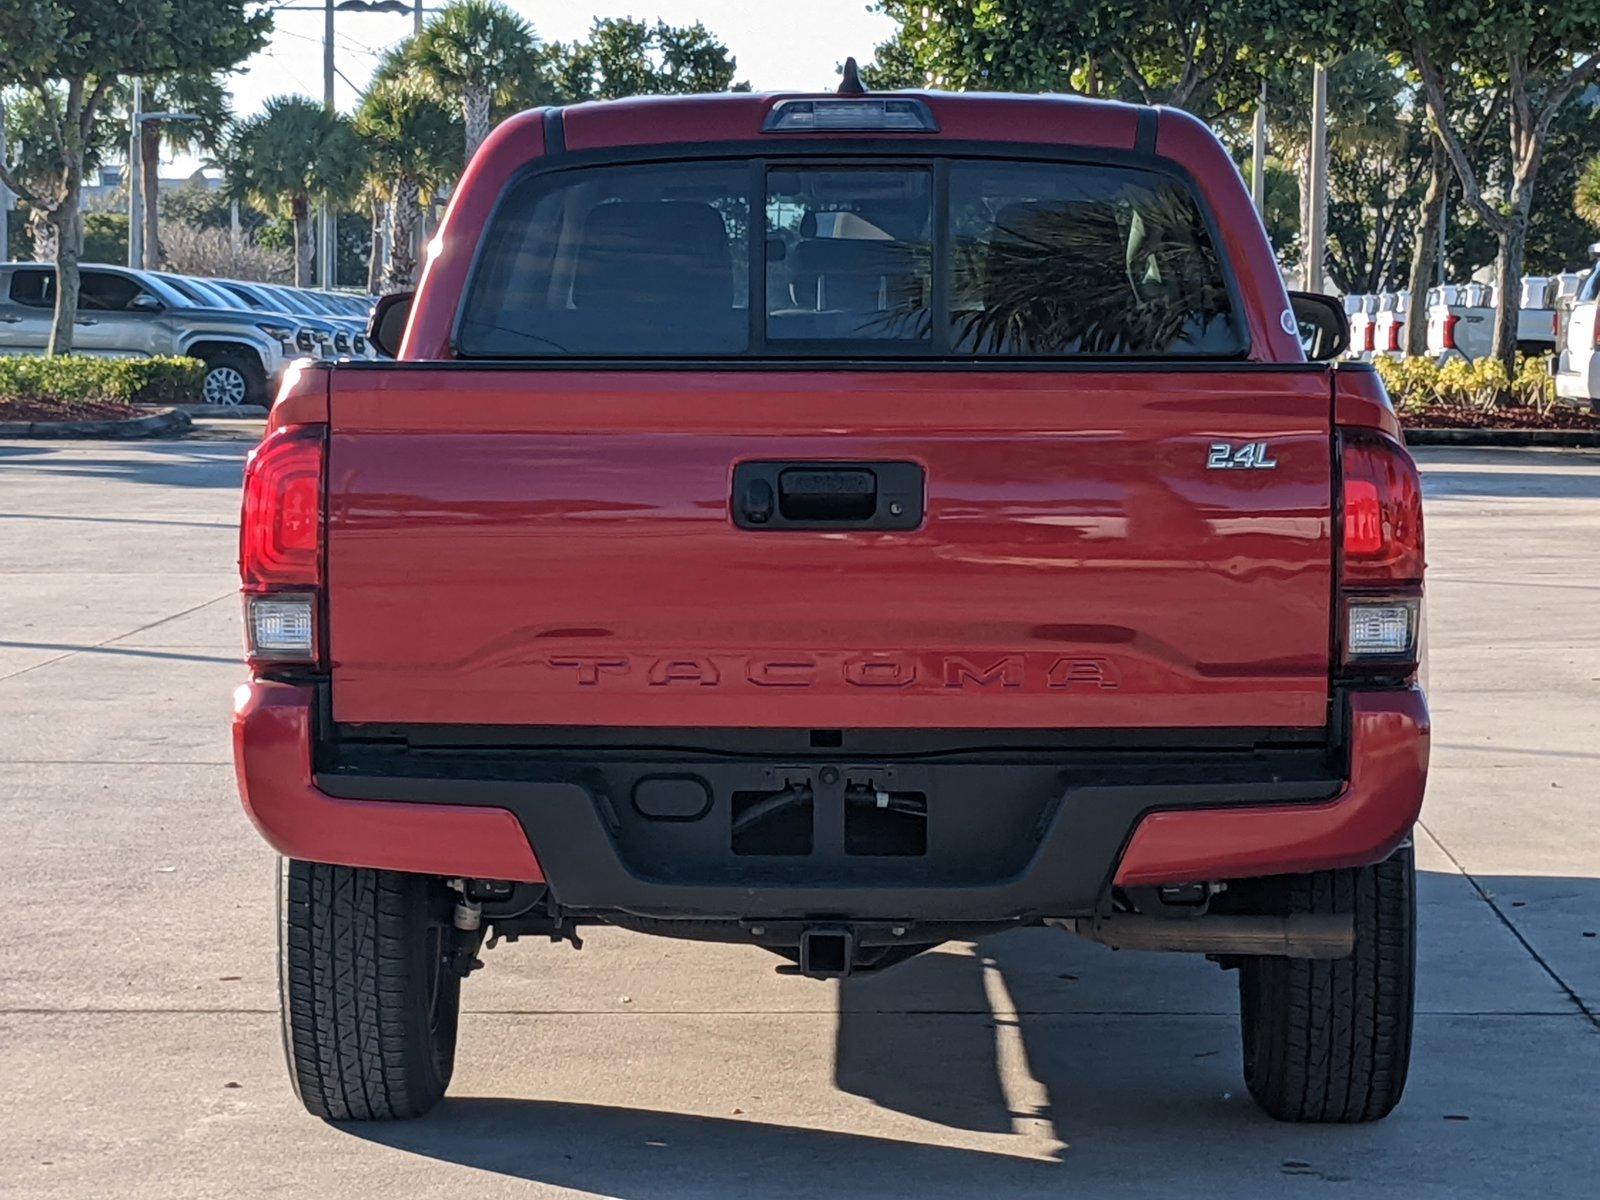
{"type": "Point", "coordinates": [1450, 322]}
{"type": "Point", "coordinates": [1381, 557]}
{"type": "Point", "coordinates": [1395, 329]}
{"type": "Point", "coordinates": [1369, 335]}
{"type": "Point", "coordinates": [1594, 328]}
{"type": "Point", "coordinates": [280, 546]}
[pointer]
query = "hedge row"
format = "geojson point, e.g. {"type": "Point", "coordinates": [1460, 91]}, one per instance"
{"type": "Point", "coordinates": [1419, 383]}
{"type": "Point", "coordinates": [70, 377]}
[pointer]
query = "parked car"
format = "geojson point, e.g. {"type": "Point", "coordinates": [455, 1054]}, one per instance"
{"type": "Point", "coordinates": [853, 584]}
{"type": "Point", "coordinates": [321, 336]}
{"type": "Point", "coordinates": [127, 314]}
{"type": "Point", "coordinates": [1461, 320]}
{"type": "Point", "coordinates": [1577, 370]}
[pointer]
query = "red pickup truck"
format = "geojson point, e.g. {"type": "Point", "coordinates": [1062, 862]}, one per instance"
{"type": "Point", "coordinates": [839, 524]}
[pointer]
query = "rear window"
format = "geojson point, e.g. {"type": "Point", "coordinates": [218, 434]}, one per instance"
{"type": "Point", "coordinates": [976, 259]}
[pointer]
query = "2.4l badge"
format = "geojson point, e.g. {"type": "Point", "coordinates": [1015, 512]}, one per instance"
{"type": "Point", "coordinates": [1250, 456]}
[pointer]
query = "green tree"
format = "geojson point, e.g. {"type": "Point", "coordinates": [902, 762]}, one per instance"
{"type": "Point", "coordinates": [1527, 58]}
{"type": "Point", "coordinates": [1377, 156]}
{"type": "Point", "coordinates": [70, 54]}
{"type": "Point", "coordinates": [1206, 58]}
{"type": "Point", "coordinates": [412, 140]}
{"type": "Point", "coordinates": [625, 57]}
{"type": "Point", "coordinates": [291, 154]}
{"type": "Point", "coordinates": [31, 148]}
{"type": "Point", "coordinates": [477, 54]}
{"type": "Point", "coordinates": [202, 96]}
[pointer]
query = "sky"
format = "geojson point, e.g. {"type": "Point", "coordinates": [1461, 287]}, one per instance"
{"type": "Point", "coordinates": [779, 44]}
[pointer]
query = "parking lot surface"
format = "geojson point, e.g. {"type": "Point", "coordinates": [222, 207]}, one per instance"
{"type": "Point", "coordinates": [139, 1040]}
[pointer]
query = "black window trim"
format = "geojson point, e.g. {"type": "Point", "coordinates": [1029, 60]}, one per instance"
{"type": "Point", "coordinates": [857, 152]}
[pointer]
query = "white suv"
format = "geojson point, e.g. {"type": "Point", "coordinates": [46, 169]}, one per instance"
{"type": "Point", "coordinates": [1578, 367]}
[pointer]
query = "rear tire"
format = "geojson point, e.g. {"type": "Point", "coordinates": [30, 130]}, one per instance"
{"type": "Point", "coordinates": [1331, 1041]}
{"type": "Point", "coordinates": [369, 1004]}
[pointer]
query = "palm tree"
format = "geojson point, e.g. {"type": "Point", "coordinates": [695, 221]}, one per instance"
{"type": "Point", "coordinates": [411, 137]}
{"type": "Point", "coordinates": [202, 97]}
{"type": "Point", "coordinates": [478, 53]}
{"type": "Point", "coordinates": [1586, 196]}
{"type": "Point", "coordinates": [290, 154]}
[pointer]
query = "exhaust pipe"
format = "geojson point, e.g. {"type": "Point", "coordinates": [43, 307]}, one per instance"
{"type": "Point", "coordinates": [1302, 935]}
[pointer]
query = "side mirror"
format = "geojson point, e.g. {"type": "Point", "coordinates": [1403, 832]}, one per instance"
{"type": "Point", "coordinates": [145, 302]}
{"type": "Point", "coordinates": [386, 327]}
{"type": "Point", "coordinates": [1323, 326]}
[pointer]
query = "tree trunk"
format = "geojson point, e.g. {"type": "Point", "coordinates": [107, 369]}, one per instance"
{"type": "Point", "coordinates": [1508, 286]}
{"type": "Point", "coordinates": [43, 234]}
{"type": "Point", "coordinates": [150, 189]}
{"type": "Point", "coordinates": [1425, 252]}
{"type": "Point", "coordinates": [402, 255]}
{"type": "Point", "coordinates": [375, 264]}
{"type": "Point", "coordinates": [475, 115]}
{"type": "Point", "coordinates": [1513, 244]}
{"type": "Point", "coordinates": [300, 207]}
{"type": "Point", "coordinates": [68, 247]}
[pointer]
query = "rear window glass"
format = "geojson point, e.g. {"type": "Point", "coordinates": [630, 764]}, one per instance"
{"type": "Point", "coordinates": [1055, 259]}
{"type": "Point", "coordinates": [1018, 259]}
{"type": "Point", "coordinates": [625, 260]}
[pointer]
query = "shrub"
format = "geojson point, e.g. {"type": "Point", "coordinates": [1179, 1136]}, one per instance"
{"type": "Point", "coordinates": [1413, 383]}
{"type": "Point", "coordinates": [1417, 383]}
{"type": "Point", "coordinates": [71, 377]}
{"type": "Point", "coordinates": [1534, 385]}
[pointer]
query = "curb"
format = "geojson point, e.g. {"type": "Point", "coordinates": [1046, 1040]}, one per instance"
{"type": "Point", "coordinates": [240, 412]}
{"type": "Point", "coordinates": [1572, 439]}
{"type": "Point", "coordinates": [168, 420]}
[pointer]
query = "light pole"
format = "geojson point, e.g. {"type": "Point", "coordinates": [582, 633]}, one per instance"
{"type": "Point", "coordinates": [1258, 153]}
{"type": "Point", "coordinates": [5, 192]}
{"type": "Point", "coordinates": [136, 181]}
{"type": "Point", "coordinates": [1317, 220]}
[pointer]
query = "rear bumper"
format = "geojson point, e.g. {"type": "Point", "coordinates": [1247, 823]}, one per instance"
{"type": "Point", "coordinates": [1079, 839]}
{"type": "Point", "coordinates": [1577, 375]}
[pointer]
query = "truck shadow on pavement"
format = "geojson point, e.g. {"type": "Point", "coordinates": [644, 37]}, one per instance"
{"type": "Point", "coordinates": [186, 465]}
{"type": "Point", "coordinates": [1032, 1062]}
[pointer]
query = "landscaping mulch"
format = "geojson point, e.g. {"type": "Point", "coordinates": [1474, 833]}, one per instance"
{"type": "Point", "coordinates": [1441, 416]}
{"type": "Point", "coordinates": [64, 410]}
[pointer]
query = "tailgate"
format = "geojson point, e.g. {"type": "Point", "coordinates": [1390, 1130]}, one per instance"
{"type": "Point", "coordinates": [557, 548]}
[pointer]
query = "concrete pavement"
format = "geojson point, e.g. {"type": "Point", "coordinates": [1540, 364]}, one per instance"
{"type": "Point", "coordinates": [138, 1029]}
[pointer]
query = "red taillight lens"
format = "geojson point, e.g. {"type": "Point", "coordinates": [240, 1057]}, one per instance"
{"type": "Point", "coordinates": [1382, 509]}
{"type": "Point", "coordinates": [280, 533]}
{"type": "Point", "coordinates": [1450, 323]}
{"type": "Point", "coordinates": [1369, 335]}
{"type": "Point", "coordinates": [1381, 557]}
{"type": "Point", "coordinates": [280, 548]}
{"type": "Point", "coordinates": [1395, 329]}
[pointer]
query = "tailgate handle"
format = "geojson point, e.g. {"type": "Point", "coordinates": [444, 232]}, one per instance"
{"type": "Point", "coordinates": [808, 494]}
{"type": "Point", "coordinates": [827, 495]}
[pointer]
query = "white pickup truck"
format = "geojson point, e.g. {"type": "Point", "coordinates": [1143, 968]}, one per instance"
{"type": "Point", "coordinates": [1389, 324]}
{"type": "Point", "coordinates": [1461, 319]}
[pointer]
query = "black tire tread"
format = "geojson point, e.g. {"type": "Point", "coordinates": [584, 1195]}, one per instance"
{"type": "Point", "coordinates": [354, 990]}
{"type": "Point", "coordinates": [1330, 1041]}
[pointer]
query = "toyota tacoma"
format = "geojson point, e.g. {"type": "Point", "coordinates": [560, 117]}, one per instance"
{"type": "Point", "coordinates": [840, 524]}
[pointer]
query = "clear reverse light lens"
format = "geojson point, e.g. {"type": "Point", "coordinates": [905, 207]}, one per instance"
{"type": "Point", "coordinates": [281, 627]}
{"type": "Point", "coordinates": [1381, 629]}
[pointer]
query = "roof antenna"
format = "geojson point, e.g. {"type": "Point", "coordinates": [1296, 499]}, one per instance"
{"type": "Point", "coordinates": [851, 84]}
